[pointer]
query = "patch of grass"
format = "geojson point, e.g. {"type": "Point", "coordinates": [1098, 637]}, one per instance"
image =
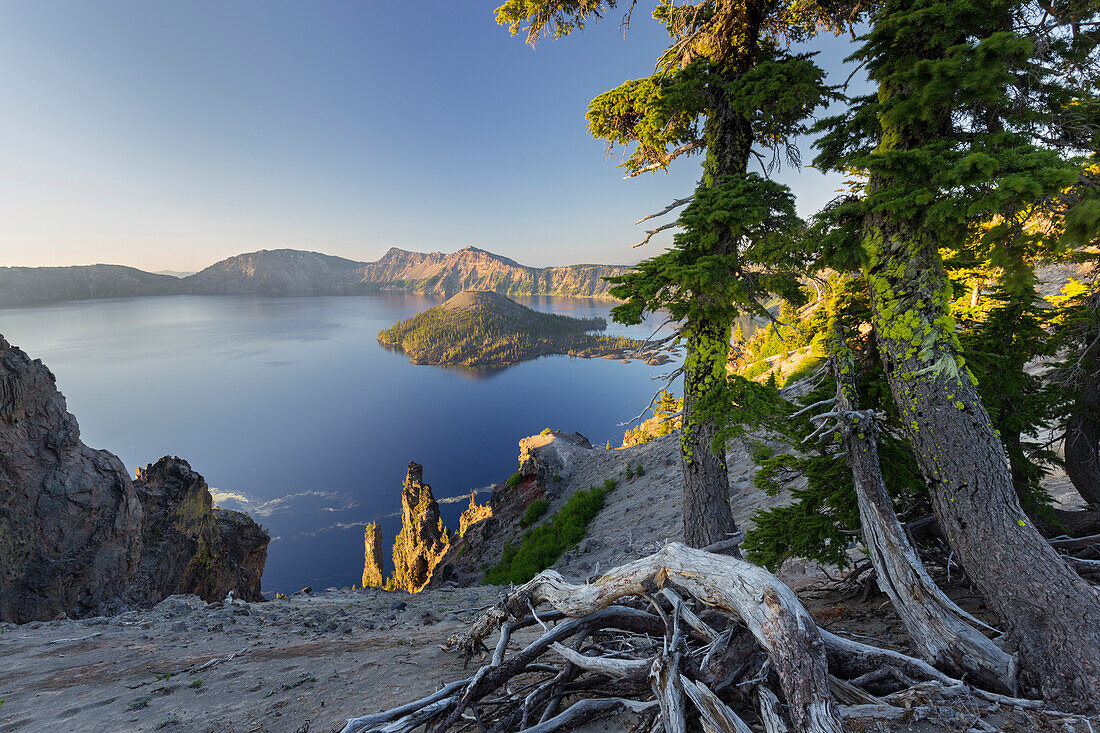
{"type": "Point", "coordinates": [542, 546]}
{"type": "Point", "coordinates": [164, 676]}
{"type": "Point", "coordinates": [139, 704]}
{"type": "Point", "coordinates": [640, 470]}
{"type": "Point", "coordinates": [546, 431]}
{"type": "Point", "coordinates": [557, 478]}
{"type": "Point", "coordinates": [196, 684]}
{"type": "Point", "coordinates": [534, 512]}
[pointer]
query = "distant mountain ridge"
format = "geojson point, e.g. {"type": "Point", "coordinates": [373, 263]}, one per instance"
{"type": "Point", "coordinates": [21, 286]}
{"type": "Point", "coordinates": [296, 272]}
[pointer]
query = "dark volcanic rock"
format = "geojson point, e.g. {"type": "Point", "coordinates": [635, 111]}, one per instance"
{"type": "Point", "coordinates": [422, 540]}
{"type": "Point", "coordinates": [77, 536]}
{"type": "Point", "coordinates": [70, 520]}
{"type": "Point", "coordinates": [190, 547]}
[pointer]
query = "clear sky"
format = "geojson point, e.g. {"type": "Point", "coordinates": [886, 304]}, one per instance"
{"type": "Point", "coordinates": [169, 135]}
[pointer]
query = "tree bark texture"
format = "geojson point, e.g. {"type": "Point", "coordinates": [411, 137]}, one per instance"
{"type": "Point", "coordinates": [943, 633]}
{"type": "Point", "coordinates": [1051, 614]}
{"type": "Point", "coordinates": [708, 517]}
{"type": "Point", "coordinates": [769, 609]}
{"type": "Point", "coordinates": [707, 514]}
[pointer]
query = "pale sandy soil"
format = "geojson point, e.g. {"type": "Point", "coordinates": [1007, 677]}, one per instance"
{"type": "Point", "coordinates": [304, 664]}
{"type": "Point", "coordinates": [309, 662]}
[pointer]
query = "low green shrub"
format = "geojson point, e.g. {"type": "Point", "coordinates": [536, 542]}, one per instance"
{"type": "Point", "coordinates": [541, 546]}
{"type": "Point", "coordinates": [756, 369]}
{"type": "Point", "coordinates": [513, 480]}
{"type": "Point", "coordinates": [534, 512]}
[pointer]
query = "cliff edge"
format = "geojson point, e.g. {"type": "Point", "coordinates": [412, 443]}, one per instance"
{"type": "Point", "coordinates": [79, 537]}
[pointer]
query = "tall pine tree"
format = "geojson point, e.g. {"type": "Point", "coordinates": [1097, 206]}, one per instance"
{"type": "Point", "coordinates": [726, 87]}
{"type": "Point", "coordinates": [954, 138]}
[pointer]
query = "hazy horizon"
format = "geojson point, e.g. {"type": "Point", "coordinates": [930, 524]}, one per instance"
{"type": "Point", "coordinates": [169, 137]}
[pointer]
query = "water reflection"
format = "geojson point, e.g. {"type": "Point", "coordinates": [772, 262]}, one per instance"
{"type": "Point", "coordinates": [290, 404]}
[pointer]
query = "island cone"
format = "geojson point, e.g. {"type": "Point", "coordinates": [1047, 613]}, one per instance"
{"type": "Point", "coordinates": [481, 328]}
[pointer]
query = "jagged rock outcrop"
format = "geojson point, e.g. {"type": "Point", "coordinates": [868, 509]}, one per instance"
{"type": "Point", "coordinates": [190, 547]}
{"type": "Point", "coordinates": [70, 520]}
{"type": "Point", "coordinates": [78, 537]}
{"type": "Point", "coordinates": [546, 462]}
{"type": "Point", "coordinates": [372, 556]}
{"type": "Point", "coordinates": [473, 514]}
{"type": "Point", "coordinates": [550, 452]}
{"type": "Point", "coordinates": [422, 540]}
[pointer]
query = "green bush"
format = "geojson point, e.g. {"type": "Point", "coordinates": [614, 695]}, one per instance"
{"type": "Point", "coordinates": [513, 480]}
{"type": "Point", "coordinates": [640, 470]}
{"type": "Point", "coordinates": [629, 472]}
{"type": "Point", "coordinates": [534, 512]}
{"type": "Point", "coordinates": [542, 546]}
{"type": "Point", "coordinates": [755, 369]}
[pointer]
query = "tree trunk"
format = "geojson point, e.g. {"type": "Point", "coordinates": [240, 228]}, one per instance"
{"type": "Point", "coordinates": [942, 632]}
{"type": "Point", "coordinates": [1051, 614]}
{"type": "Point", "coordinates": [1082, 441]}
{"type": "Point", "coordinates": [707, 514]}
{"type": "Point", "coordinates": [1082, 446]}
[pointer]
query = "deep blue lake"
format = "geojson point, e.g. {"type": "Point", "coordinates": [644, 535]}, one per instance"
{"type": "Point", "coordinates": [292, 411]}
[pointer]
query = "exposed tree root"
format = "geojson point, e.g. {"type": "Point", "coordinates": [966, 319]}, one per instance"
{"type": "Point", "coordinates": [945, 634]}
{"type": "Point", "coordinates": [680, 640]}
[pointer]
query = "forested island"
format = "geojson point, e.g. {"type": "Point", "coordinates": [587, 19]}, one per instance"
{"type": "Point", "coordinates": [483, 328]}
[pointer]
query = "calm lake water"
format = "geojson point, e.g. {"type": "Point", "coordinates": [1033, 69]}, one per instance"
{"type": "Point", "coordinates": [292, 411]}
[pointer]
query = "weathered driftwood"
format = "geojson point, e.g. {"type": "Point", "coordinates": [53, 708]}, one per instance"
{"type": "Point", "coordinates": [768, 608]}
{"type": "Point", "coordinates": [657, 659]}
{"type": "Point", "coordinates": [769, 711]}
{"type": "Point", "coordinates": [715, 715]}
{"type": "Point", "coordinates": [946, 635]}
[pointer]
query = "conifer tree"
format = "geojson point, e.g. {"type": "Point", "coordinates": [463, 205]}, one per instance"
{"type": "Point", "coordinates": [726, 87]}
{"type": "Point", "coordinates": [953, 139]}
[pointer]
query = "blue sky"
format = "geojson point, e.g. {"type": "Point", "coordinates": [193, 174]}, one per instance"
{"type": "Point", "coordinates": [170, 135]}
